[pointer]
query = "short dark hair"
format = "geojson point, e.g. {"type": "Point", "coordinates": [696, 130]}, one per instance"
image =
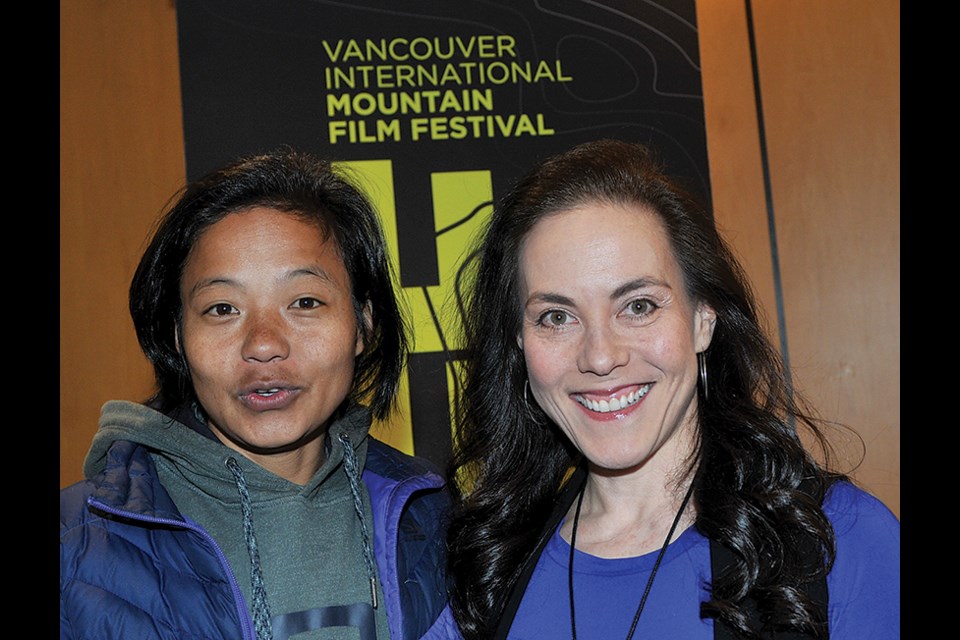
{"type": "Point", "coordinates": [307, 187]}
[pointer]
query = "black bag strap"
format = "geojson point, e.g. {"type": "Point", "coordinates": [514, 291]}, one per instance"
{"type": "Point", "coordinates": [565, 498]}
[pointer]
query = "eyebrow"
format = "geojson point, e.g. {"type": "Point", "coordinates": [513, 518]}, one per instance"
{"type": "Point", "coordinates": [622, 290]}
{"type": "Point", "coordinates": [313, 270]}
{"type": "Point", "coordinates": [552, 298]}
{"type": "Point", "coordinates": [639, 283]}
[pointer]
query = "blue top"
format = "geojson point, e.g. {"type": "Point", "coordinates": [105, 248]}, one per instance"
{"type": "Point", "coordinates": [864, 585]}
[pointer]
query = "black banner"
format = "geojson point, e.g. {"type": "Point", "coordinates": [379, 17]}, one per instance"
{"type": "Point", "coordinates": [439, 106]}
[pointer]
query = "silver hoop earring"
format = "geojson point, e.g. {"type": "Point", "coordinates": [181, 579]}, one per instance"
{"type": "Point", "coordinates": [532, 409]}
{"type": "Point", "coordinates": [702, 367]}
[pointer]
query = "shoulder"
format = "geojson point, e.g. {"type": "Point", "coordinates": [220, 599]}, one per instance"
{"type": "Point", "coordinates": [398, 482]}
{"type": "Point", "coordinates": [392, 464]}
{"type": "Point", "coordinates": [411, 506]}
{"type": "Point", "coordinates": [73, 505]}
{"type": "Point", "coordinates": [110, 484]}
{"type": "Point", "coordinates": [854, 513]}
{"type": "Point", "coordinates": [864, 583]}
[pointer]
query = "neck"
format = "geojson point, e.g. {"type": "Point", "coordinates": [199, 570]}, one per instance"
{"type": "Point", "coordinates": [297, 465]}
{"type": "Point", "coordinates": [628, 515]}
{"type": "Point", "coordinates": [622, 552]}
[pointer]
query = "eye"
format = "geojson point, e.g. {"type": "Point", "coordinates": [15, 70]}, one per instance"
{"type": "Point", "coordinates": [306, 303]}
{"type": "Point", "coordinates": [555, 318]}
{"type": "Point", "coordinates": [222, 309]}
{"type": "Point", "coordinates": [641, 307]}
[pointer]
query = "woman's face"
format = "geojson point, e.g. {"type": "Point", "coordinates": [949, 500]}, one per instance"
{"type": "Point", "coordinates": [610, 336]}
{"type": "Point", "coordinates": [268, 331]}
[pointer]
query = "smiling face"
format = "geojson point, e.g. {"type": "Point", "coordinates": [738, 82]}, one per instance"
{"type": "Point", "coordinates": [610, 336]}
{"type": "Point", "coordinates": [269, 334]}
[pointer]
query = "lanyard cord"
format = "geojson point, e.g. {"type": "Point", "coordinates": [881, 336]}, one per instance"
{"type": "Point", "coordinates": [653, 572]}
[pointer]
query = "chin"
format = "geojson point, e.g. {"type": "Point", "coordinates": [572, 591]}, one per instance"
{"type": "Point", "coordinates": [615, 463]}
{"type": "Point", "coordinates": [289, 440]}
{"type": "Point", "coordinates": [616, 459]}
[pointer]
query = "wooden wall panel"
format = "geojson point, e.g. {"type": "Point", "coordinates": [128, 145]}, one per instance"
{"type": "Point", "coordinates": [121, 157]}
{"type": "Point", "coordinates": [830, 85]}
{"type": "Point", "coordinates": [733, 145]}
{"type": "Point", "coordinates": [830, 73]}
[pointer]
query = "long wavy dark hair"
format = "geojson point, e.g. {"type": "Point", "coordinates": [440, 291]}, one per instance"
{"type": "Point", "coordinates": [304, 186]}
{"type": "Point", "coordinates": [749, 464]}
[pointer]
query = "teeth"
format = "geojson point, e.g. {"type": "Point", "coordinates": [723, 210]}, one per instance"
{"type": "Point", "coordinates": [267, 392]}
{"type": "Point", "coordinates": [614, 404]}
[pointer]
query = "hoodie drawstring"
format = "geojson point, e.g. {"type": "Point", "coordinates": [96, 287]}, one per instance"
{"type": "Point", "coordinates": [261, 609]}
{"type": "Point", "coordinates": [353, 476]}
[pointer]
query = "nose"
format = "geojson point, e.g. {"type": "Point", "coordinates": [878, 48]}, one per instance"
{"type": "Point", "coordinates": [265, 339]}
{"type": "Point", "coordinates": [602, 351]}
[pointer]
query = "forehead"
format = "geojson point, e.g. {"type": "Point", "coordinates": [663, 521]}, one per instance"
{"type": "Point", "coordinates": [260, 238]}
{"type": "Point", "coordinates": [263, 220]}
{"type": "Point", "coordinates": [598, 244]}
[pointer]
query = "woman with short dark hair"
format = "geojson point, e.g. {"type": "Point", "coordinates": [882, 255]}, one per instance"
{"type": "Point", "coordinates": [246, 499]}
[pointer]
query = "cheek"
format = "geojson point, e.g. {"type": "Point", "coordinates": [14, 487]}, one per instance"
{"type": "Point", "coordinates": [331, 356]}
{"type": "Point", "coordinates": [545, 362]}
{"type": "Point", "coordinates": [200, 353]}
{"type": "Point", "coordinates": [204, 376]}
{"type": "Point", "coordinates": [207, 359]}
{"type": "Point", "coordinates": [342, 361]}
{"type": "Point", "coordinates": [673, 352]}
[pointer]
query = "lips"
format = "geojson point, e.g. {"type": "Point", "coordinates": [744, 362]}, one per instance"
{"type": "Point", "coordinates": [268, 396]}
{"type": "Point", "coordinates": [613, 402]}
{"type": "Point", "coordinates": [266, 392]}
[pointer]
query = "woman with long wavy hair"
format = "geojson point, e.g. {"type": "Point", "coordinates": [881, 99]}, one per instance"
{"type": "Point", "coordinates": [627, 453]}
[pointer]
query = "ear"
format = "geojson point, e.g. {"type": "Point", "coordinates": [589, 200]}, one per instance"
{"type": "Point", "coordinates": [705, 319]}
{"type": "Point", "coordinates": [366, 329]}
{"type": "Point", "coordinates": [520, 341]}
